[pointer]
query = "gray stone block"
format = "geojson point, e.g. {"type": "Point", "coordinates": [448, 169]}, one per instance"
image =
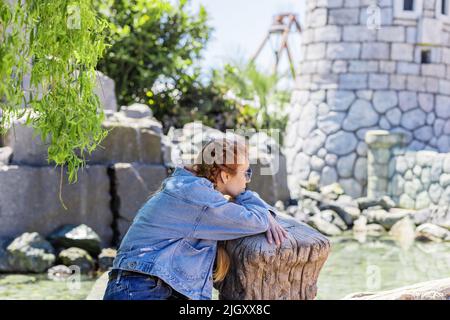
{"type": "Point", "coordinates": [128, 144]}
{"type": "Point", "coordinates": [29, 201]}
{"type": "Point", "coordinates": [134, 183]}
{"type": "Point", "coordinates": [105, 90]}
{"type": "Point", "coordinates": [269, 178]}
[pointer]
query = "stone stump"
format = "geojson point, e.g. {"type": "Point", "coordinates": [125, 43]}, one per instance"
{"type": "Point", "coordinates": [261, 271]}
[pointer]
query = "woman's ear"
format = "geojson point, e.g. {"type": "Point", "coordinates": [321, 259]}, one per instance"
{"type": "Point", "coordinates": [224, 177]}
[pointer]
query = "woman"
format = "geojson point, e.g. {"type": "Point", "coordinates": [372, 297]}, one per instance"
{"type": "Point", "coordinates": [170, 249]}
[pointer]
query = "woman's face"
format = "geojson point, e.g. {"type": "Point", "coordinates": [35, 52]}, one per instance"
{"type": "Point", "coordinates": [233, 185]}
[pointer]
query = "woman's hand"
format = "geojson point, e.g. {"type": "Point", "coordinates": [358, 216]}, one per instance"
{"type": "Point", "coordinates": [275, 232]}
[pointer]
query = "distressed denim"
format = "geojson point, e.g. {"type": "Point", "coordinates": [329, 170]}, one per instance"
{"type": "Point", "coordinates": [174, 234]}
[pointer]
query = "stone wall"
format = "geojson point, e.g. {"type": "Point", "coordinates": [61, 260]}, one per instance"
{"type": "Point", "coordinates": [119, 177]}
{"type": "Point", "coordinates": [420, 179]}
{"type": "Point", "coordinates": [413, 179]}
{"type": "Point", "coordinates": [353, 79]}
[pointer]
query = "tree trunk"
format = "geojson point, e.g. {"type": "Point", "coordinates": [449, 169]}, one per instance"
{"type": "Point", "coordinates": [260, 270]}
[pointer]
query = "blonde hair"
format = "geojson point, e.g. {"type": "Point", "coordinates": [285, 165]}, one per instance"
{"type": "Point", "coordinates": [208, 164]}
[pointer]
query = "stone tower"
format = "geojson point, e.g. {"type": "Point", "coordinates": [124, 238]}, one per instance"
{"type": "Point", "coordinates": [367, 65]}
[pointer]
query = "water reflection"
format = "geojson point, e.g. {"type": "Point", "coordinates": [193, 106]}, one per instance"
{"type": "Point", "coordinates": [380, 264]}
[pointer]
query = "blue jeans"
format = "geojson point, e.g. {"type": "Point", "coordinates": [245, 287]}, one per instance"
{"type": "Point", "coordinates": [125, 285]}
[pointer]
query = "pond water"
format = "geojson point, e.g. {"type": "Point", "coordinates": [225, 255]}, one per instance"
{"type": "Point", "coordinates": [380, 264]}
{"type": "Point", "coordinates": [353, 266]}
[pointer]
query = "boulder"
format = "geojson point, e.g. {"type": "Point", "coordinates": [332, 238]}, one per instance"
{"type": "Point", "coordinates": [30, 253]}
{"type": "Point", "coordinates": [106, 259]}
{"type": "Point", "coordinates": [128, 141]}
{"type": "Point", "coordinates": [383, 217]}
{"type": "Point", "coordinates": [136, 111]}
{"type": "Point", "coordinates": [27, 149]}
{"type": "Point", "coordinates": [439, 215]}
{"type": "Point", "coordinates": [432, 232]}
{"type": "Point", "coordinates": [79, 236]}
{"type": "Point", "coordinates": [403, 231]}
{"type": "Point", "coordinates": [6, 154]}
{"type": "Point", "coordinates": [332, 191]}
{"type": "Point", "coordinates": [325, 227]}
{"type": "Point", "coordinates": [385, 202]}
{"type": "Point", "coordinates": [77, 257]}
{"type": "Point", "coordinates": [59, 272]}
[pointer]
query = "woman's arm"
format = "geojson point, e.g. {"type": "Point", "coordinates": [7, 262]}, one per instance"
{"type": "Point", "coordinates": [226, 220]}
{"type": "Point", "coordinates": [275, 232]}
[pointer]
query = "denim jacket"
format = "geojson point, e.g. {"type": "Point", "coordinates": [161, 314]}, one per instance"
{"type": "Point", "coordinates": [174, 234]}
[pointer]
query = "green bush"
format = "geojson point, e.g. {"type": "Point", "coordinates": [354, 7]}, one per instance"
{"type": "Point", "coordinates": [150, 39]}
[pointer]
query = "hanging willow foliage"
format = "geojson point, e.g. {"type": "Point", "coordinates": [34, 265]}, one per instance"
{"type": "Point", "coordinates": [58, 44]}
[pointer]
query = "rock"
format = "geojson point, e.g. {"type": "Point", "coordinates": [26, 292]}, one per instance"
{"type": "Point", "coordinates": [59, 273]}
{"type": "Point", "coordinates": [105, 90]}
{"type": "Point", "coordinates": [137, 111]}
{"type": "Point", "coordinates": [337, 220]}
{"type": "Point", "coordinates": [332, 191]}
{"type": "Point", "coordinates": [15, 279]}
{"type": "Point", "coordinates": [325, 227]}
{"type": "Point", "coordinates": [279, 205]}
{"type": "Point", "coordinates": [26, 148]}
{"type": "Point", "coordinates": [384, 100]}
{"type": "Point", "coordinates": [129, 140]}
{"type": "Point", "coordinates": [360, 115]}
{"type": "Point", "coordinates": [383, 217]}
{"type": "Point", "coordinates": [291, 210]}
{"type": "Point", "coordinates": [413, 119]}
{"type": "Point", "coordinates": [354, 212]}
{"type": "Point", "coordinates": [269, 178]}
{"type": "Point", "coordinates": [430, 290]}
{"type": "Point", "coordinates": [77, 257]}
{"type": "Point", "coordinates": [385, 202]}
{"type": "Point", "coordinates": [341, 143]}
{"type": "Point", "coordinates": [403, 231]}
{"type": "Point", "coordinates": [360, 224]}
{"type": "Point", "coordinates": [6, 154]}
{"type": "Point", "coordinates": [345, 165]}
{"type": "Point", "coordinates": [30, 253]}
{"type": "Point", "coordinates": [440, 215]}
{"type": "Point", "coordinates": [134, 183]}
{"type": "Point", "coordinates": [340, 211]}
{"type": "Point", "coordinates": [432, 232]}
{"type": "Point", "coordinates": [422, 216]}
{"type": "Point", "coordinates": [106, 259]}
{"type": "Point", "coordinates": [79, 236]}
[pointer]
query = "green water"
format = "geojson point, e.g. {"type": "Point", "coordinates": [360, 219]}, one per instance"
{"type": "Point", "coordinates": [374, 265]}
{"type": "Point", "coordinates": [380, 265]}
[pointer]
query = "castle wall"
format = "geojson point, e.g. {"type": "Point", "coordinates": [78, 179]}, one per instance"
{"type": "Point", "coordinates": [353, 79]}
